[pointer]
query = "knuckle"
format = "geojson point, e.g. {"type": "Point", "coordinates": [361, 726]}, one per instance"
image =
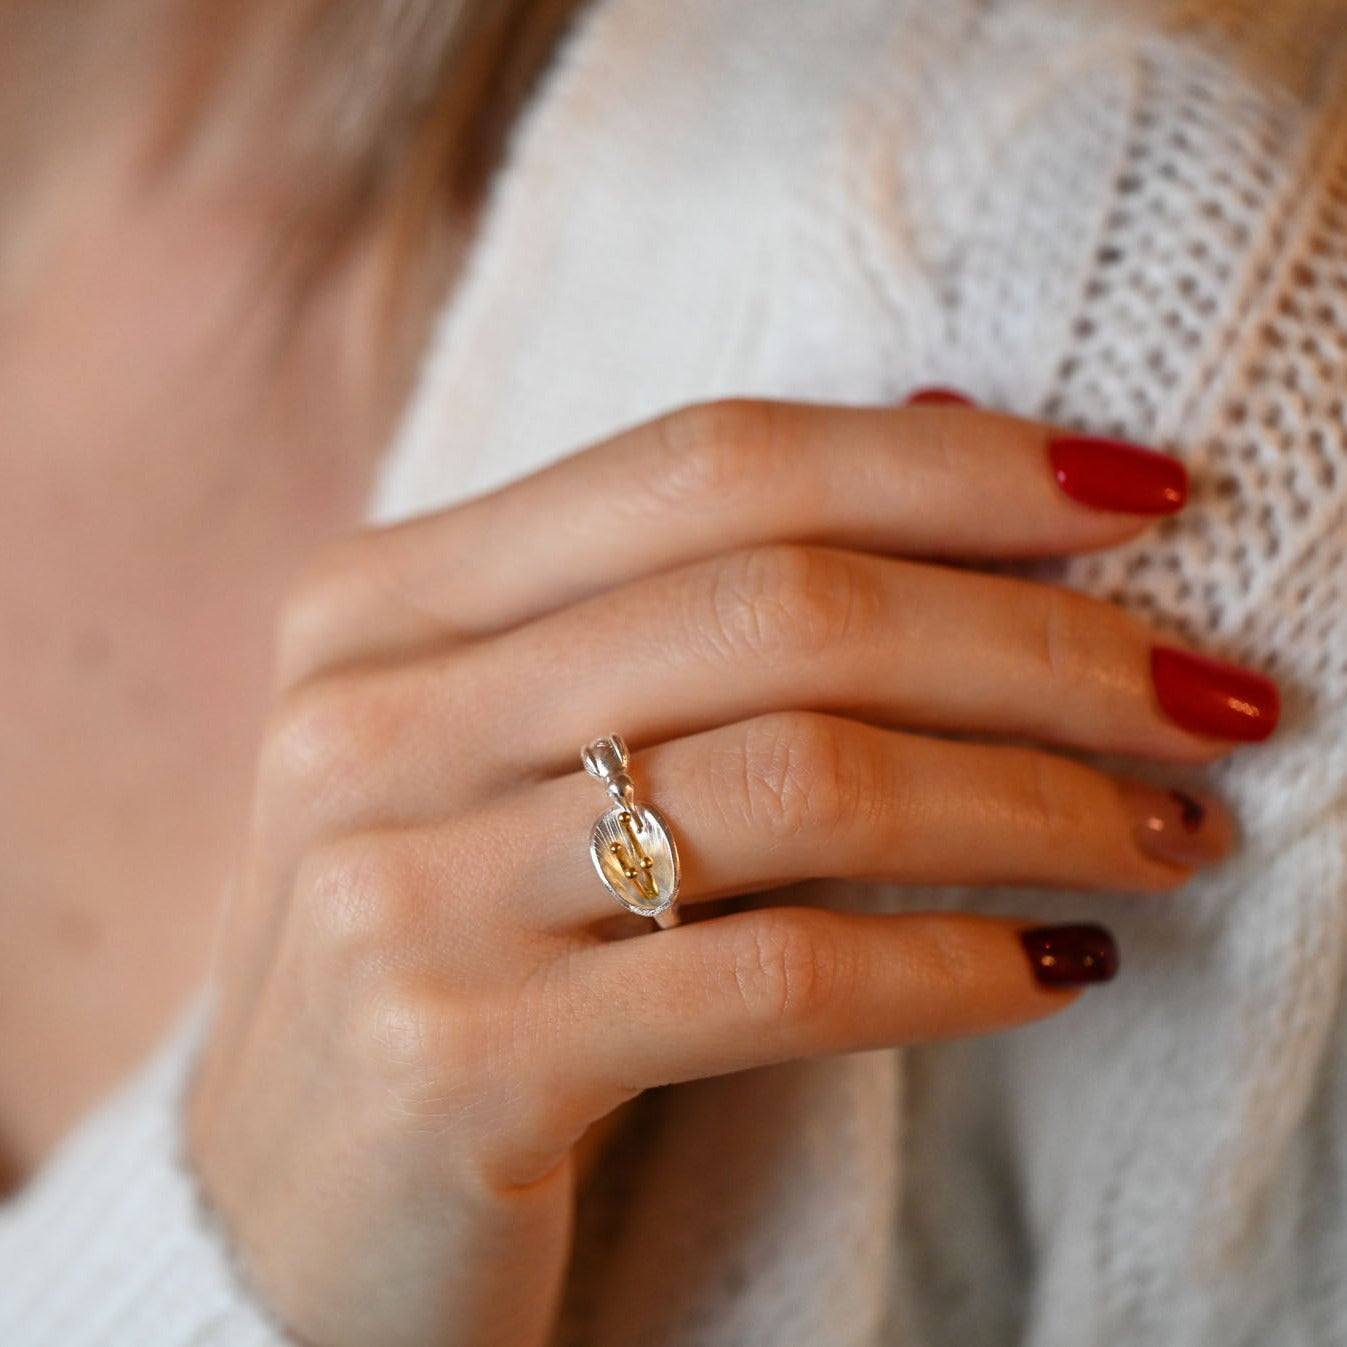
{"type": "Point", "coordinates": [712, 451]}
{"type": "Point", "coordinates": [391, 1020]}
{"type": "Point", "coordinates": [360, 895]}
{"type": "Point", "coordinates": [322, 735]}
{"type": "Point", "coordinates": [449, 1062]}
{"type": "Point", "coordinates": [432, 1053]}
{"type": "Point", "coordinates": [785, 599]}
{"type": "Point", "coordinates": [798, 774]}
{"type": "Point", "coordinates": [787, 970]}
{"type": "Point", "coordinates": [314, 603]}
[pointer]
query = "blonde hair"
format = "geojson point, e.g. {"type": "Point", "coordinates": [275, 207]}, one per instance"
{"type": "Point", "coordinates": [387, 114]}
{"type": "Point", "coordinates": [383, 105]}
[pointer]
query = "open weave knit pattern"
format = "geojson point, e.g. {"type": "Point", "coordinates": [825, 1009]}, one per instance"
{"type": "Point", "coordinates": [1128, 216]}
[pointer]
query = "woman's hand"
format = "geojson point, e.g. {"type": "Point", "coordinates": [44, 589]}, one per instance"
{"type": "Point", "coordinates": [426, 997]}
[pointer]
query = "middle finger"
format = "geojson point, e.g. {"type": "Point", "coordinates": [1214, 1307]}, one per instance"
{"type": "Point", "coordinates": [791, 626]}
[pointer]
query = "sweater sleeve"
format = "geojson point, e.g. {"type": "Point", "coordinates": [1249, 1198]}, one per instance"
{"type": "Point", "coordinates": [111, 1246]}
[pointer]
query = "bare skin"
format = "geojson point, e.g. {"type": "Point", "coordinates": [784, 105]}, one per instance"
{"type": "Point", "coordinates": [167, 464]}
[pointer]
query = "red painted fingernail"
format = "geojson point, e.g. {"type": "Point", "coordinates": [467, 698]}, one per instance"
{"type": "Point", "coordinates": [936, 395]}
{"type": "Point", "coordinates": [1211, 697]}
{"type": "Point", "coordinates": [1117, 475]}
{"type": "Point", "coordinates": [1070, 956]}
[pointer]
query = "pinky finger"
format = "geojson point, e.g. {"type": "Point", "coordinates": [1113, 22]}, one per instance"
{"type": "Point", "coordinates": [772, 984]}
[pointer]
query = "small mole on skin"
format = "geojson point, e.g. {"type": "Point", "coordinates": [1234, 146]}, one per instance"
{"type": "Point", "coordinates": [78, 931]}
{"type": "Point", "coordinates": [90, 649]}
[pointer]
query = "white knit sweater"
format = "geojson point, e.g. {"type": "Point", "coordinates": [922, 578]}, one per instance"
{"type": "Point", "coordinates": [1123, 215]}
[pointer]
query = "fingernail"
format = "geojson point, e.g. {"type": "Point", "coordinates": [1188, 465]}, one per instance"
{"type": "Point", "coordinates": [1175, 827]}
{"type": "Point", "coordinates": [1116, 475]}
{"type": "Point", "coordinates": [935, 395]}
{"type": "Point", "coordinates": [1211, 697]}
{"type": "Point", "coordinates": [1070, 956]}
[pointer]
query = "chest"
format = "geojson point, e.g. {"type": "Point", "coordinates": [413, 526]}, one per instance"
{"type": "Point", "coordinates": [84, 997]}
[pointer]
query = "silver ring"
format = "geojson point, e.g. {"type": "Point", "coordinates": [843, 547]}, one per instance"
{"type": "Point", "coordinates": [631, 844]}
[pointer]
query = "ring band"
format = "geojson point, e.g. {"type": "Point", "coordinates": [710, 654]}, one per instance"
{"type": "Point", "coordinates": [631, 844]}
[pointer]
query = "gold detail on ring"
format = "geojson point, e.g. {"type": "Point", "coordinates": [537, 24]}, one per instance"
{"type": "Point", "coordinates": [642, 876]}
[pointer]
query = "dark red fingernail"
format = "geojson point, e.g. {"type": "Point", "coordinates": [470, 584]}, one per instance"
{"type": "Point", "coordinates": [1070, 956]}
{"type": "Point", "coordinates": [936, 395]}
{"type": "Point", "coordinates": [1117, 475]}
{"type": "Point", "coordinates": [1211, 697]}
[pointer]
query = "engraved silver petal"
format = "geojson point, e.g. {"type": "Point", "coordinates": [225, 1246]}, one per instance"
{"type": "Point", "coordinates": [624, 838]}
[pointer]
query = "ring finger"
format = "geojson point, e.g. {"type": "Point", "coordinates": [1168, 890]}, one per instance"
{"type": "Point", "coordinates": [796, 795]}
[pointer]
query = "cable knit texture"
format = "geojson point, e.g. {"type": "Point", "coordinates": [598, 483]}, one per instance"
{"type": "Point", "coordinates": [1126, 217]}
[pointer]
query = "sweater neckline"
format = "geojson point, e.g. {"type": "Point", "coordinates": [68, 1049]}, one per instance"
{"type": "Point", "coordinates": [493, 242]}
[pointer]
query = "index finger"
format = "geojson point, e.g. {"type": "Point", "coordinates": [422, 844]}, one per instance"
{"type": "Point", "coordinates": [926, 480]}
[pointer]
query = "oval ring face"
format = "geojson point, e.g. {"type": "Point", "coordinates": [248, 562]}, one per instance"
{"type": "Point", "coordinates": [633, 850]}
